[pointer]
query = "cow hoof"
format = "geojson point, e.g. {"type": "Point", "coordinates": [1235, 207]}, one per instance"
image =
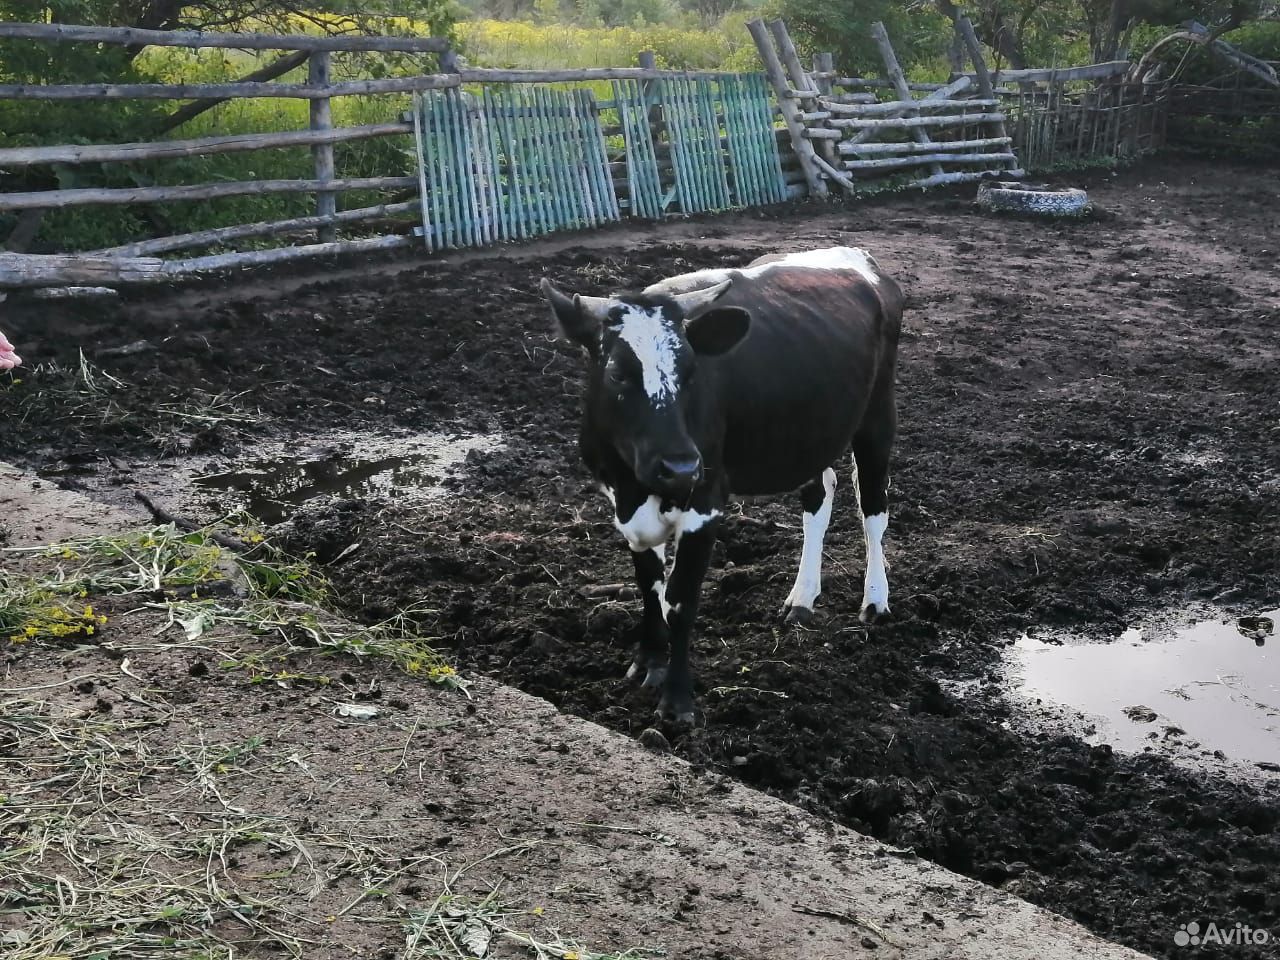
{"type": "Point", "coordinates": [681, 718]}
{"type": "Point", "coordinates": [655, 676]}
{"type": "Point", "coordinates": [678, 708]}
{"type": "Point", "coordinates": [800, 616]}
{"type": "Point", "coordinates": [873, 612]}
{"type": "Point", "coordinates": [633, 671]}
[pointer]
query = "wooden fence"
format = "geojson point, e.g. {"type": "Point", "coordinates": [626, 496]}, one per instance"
{"type": "Point", "coordinates": [502, 154]}
{"type": "Point", "coordinates": [1232, 115]}
{"type": "Point", "coordinates": [510, 154]}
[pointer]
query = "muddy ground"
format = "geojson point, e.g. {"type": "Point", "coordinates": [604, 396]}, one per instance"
{"type": "Point", "coordinates": [1089, 435]}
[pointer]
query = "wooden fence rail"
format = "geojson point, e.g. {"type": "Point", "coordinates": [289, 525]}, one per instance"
{"type": "Point", "coordinates": [133, 37]}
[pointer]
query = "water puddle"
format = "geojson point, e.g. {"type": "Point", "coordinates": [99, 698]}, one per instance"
{"type": "Point", "coordinates": [409, 468]}
{"type": "Point", "coordinates": [1208, 690]}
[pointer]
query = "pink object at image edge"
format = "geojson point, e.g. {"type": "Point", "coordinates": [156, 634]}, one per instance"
{"type": "Point", "coordinates": [8, 358]}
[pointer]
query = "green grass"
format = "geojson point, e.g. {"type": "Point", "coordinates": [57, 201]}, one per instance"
{"type": "Point", "coordinates": [200, 584]}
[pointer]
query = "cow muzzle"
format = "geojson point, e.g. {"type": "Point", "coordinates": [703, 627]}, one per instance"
{"type": "Point", "coordinates": [677, 475]}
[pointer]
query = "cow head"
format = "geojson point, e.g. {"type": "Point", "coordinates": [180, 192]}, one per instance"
{"type": "Point", "coordinates": [643, 386]}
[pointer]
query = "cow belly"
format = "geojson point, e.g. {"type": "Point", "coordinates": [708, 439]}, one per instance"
{"type": "Point", "coordinates": [784, 455]}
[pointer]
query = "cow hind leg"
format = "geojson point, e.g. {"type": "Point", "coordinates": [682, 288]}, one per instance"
{"type": "Point", "coordinates": [816, 497]}
{"type": "Point", "coordinates": [871, 449]}
{"type": "Point", "coordinates": [651, 652]}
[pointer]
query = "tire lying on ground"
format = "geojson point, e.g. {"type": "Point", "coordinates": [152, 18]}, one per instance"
{"type": "Point", "coordinates": [1035, 198]}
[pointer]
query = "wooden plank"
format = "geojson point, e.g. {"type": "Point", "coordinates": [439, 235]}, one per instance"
{"type": "Point", "coordinates": [916, 123]}
{"type": "Point", "coordinates": [790, 112]}
{"type": "Point", "coordinates": [967, 176]}
{"type": "Point", "coordinates": [199, 191]}
{"type": "Point", "coordinates": [800, 78]}
{"type": "Point", "coordinates": [196, 147]}
{"type": "Point", "coordinates": [134, 37]}
{"type": "Point", "coordinates": [47, 270]}
{"type": "Point", "coordinates": [893, 70]}
{"type": "Point", "coordinates": [861, 149]}
{"type": "Point", "coordinates": [891, 163]}
{"type": "Point", "coordinates": [203, 91]}
{"type": "Point", "coordinates": [600, 156]}
{"type": "Point", "coordinates": [322, 153]}
{"type": "Point", "coordinates": [207, 238]}
{"type": "Point", "coordinates": [580, 75]}
{"type": "Point", "coordinates": [1093, 71]}
{"type": "Point", "coordinates": [945, 91]}
{"type": "Point", "coordinates": [892, 107]}
{"type": "Point", "coordinates": [418, 141]}
{"type": "Point", "coordinates": [258, 258]}
{"type": "Point", "coordinates": [498, 210]}
{"type": "Point", "coordinates": [985, 86]}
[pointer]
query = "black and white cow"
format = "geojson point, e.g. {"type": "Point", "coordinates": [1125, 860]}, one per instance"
{"type": "Point", "coordinates": [751, 381]}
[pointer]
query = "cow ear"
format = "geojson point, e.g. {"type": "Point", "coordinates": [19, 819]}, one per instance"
{"type": "Point", "coordinates": [718, 330]}
{"type": "Point", "coordinates": [580, 318]}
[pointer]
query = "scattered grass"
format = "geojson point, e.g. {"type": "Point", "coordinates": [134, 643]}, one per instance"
{"type": "Point", "coordinates": [460, 927]}
{"type": "Point", "coordinates": [200, 584]}
{"type": "Point", "coordinates": [86, 398]}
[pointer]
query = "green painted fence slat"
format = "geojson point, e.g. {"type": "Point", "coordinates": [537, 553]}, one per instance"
{"type": "Point", "coordinates": [510, 164]}
{"type": "Point", "coordinates": [515, 162]}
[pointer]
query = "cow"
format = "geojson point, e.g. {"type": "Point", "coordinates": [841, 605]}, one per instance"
{"type": "Point", "coordinates": [743, 381]}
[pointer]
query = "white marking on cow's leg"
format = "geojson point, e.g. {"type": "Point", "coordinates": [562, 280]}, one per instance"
{"type": "Point", "coordinates": [875, 591]}
{"type": "Point", "coordinates": [809, 577]}
{"type": "Point", "coordinates": [651, 653]}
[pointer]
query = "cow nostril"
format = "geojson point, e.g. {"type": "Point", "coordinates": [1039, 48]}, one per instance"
{"type": "Point", "coordinates": [680, 469]}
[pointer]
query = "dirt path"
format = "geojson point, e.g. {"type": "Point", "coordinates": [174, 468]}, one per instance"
{"type": "Point", "coordinates": [590, 839]}
{"type": "Point", "coordinates": [1089, 438]}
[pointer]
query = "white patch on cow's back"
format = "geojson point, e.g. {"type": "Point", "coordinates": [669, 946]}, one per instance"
{"type": "Point", "coordinates": [654, 343]}
{"type": "Point", "coordinates": [831, 258]}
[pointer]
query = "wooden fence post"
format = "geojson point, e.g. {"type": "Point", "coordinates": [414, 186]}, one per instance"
{"type": "Point", "coordinates": [893, 71]}
{"type": "Point", "coordinates": [986, 89]}
{"type": "Point", "coordinates": [648, 60]}
{"type": "Point", "coordinates": [800, 80]}
{"type": "Point", "coordinates": [802, 145]}
{"type": "Point", "coordinates": [322, 153]}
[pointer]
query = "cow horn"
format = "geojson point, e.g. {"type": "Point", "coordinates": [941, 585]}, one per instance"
{"type": "Point", "coordinates": [597, 308]}
{"type": "Point", "coordinates": [696, 301]}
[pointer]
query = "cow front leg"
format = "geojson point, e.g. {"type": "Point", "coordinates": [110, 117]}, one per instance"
{"type": "Point", "coordinates": [694, 540]}
{"type": "Point", "coordinates": [816, 498]}
{"type": "Point", "coordinates": [651, 652]}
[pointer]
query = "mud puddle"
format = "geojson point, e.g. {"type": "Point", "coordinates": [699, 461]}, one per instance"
{"type": "Point", "coordinates": [410, 468]}
{"type": "Point", "coordinates": [1208, 693]}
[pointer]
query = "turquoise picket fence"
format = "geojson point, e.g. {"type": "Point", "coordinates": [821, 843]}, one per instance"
{"type": "Point", "coordinates": [525, 160]}
{"type": "Point", "coordinates": [510, 164]}
{"type": "Point", "coordinates": [716, 134]}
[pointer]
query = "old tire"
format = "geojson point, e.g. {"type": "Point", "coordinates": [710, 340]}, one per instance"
{"type": "Point", "coordinates": [1038, 199]}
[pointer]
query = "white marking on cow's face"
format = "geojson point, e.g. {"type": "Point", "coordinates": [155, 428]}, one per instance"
{"type": "Point", "coordinates": [832, 258]}
{"type": "Point", "coordinates": [875, 590]}
{"type": "Point", "coordinates": [809, 577]}
{"type": "Point", "coordinates": [655, 344]}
